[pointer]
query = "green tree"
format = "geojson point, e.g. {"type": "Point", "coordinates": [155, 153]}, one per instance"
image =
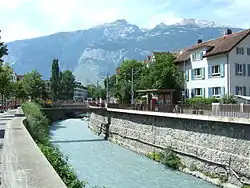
{"type": "Point", "coordinates": [124, 78]}
{"type": "Point", "coordinates": [33, 84]}
{"type": "Point", "coordinates": [18, 91]}
{"type": "Point", "coordinates": [3, 51]}
{"type": "Point", "coordinates": [55, 80]}
{"type": "Point", "coordinates": [91, 90]}
{"type": "Point", "coordinates": [67, 85]}
{"type": "Point", "coordinates": [162, 74]}
{"type": "Point", "coordinates": [5, 80]}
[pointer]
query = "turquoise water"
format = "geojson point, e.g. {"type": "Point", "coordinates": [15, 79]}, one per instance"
{"type": "Point", "coordinates": [105, 164]}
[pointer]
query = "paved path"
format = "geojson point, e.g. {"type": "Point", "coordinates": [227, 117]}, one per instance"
{"type": "Point", "coordinates": [23, 164]}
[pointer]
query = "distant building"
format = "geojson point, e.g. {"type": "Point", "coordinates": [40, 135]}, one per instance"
{"type": "Point", "coordinates": [80, 92]}
{"type": "Point", "coordinates": [20, 77]}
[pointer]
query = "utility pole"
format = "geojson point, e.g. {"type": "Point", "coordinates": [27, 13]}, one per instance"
{"type": "Point", "coordinates": [132, 87]}
{"type": "Point", "coordinates": [107, 88]}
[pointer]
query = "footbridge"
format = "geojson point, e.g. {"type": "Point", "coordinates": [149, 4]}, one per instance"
{"type": "Point", "coordinates": [70, 110]}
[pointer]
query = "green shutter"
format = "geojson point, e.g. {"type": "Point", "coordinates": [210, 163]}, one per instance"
{"type": "Point", "coordinates": [203, 73]}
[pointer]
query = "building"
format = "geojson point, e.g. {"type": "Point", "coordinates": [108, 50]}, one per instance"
{"type": "Point", "coordinates": [20, 77]}
{"type": "Point", "coordinates": [217, 67]}
{"type": "Point", "coordinates": [80, 92]}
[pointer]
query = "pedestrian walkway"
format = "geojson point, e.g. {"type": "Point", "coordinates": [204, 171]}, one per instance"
{"type": "Point", "coordinates": [4, 119]}
{"type": "Point", "coordinates": [22, 162]}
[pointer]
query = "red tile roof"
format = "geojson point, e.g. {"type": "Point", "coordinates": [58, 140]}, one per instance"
{"type": "Point", "coordinates": [216, 46]}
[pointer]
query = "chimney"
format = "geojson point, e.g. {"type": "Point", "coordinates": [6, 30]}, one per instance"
{"type": "Point", "coordinates": [228, 31]}
{"type": "Point", "coordinates": [199, 41]}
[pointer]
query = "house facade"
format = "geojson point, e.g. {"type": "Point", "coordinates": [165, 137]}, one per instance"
{"type": "Point", "coordinates": [80, 92]}
{"type": "Point", "coordinates": [217, 67]}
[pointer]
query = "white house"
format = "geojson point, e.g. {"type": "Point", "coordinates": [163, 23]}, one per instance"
{"type": "Point", "coordinates": [217, 67]}
{"type": "Point", "coordinates": [80, 92]}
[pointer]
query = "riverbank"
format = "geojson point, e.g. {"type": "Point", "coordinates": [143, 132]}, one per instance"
{"type": "Point", "coordinates": [204, 153]}
{"type": "Point", "coordinates": [38, 127]}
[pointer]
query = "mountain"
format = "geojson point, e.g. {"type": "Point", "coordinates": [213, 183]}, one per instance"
{"type": "Point", "coordinates": [94, 52]}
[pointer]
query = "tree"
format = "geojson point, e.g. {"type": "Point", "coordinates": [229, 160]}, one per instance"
{"type": "Point", "coordinates": [5, 79]}
{"type": "Point", "coordinates": [67, 85]}
{"type": "Point", "coordinates": [33, 84]}
{"type": "Point", "coordinates": [162, 74]}
{"type": "Point", "coordinates": [3, 51]}
{"type": "Point", "coordinates": [55, 80]}
{"type": "Point", "coordinates": [18, 91]}
{"type": "Point", "coordinates": [124, 78]}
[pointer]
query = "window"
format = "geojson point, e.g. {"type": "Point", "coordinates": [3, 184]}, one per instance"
{"type": "Point", "coordinates": [248, 51]}
{"type": "Point", "coordinates": [216, 70]}
{"type": "Point", "coordinates": [240, 50]}
{"type": "Point", "coordinates": [239, 69]}
{"type": "Point", "coordinates": [197, 72]}
{"type": "Point", "coordinates": [216, 91]}
{"type": "Point", "coordinates": [240, 90]}
{"type": "Point", "coordinates": [197, 56]}
{"type": "Point", "coordinates": [198, 92]}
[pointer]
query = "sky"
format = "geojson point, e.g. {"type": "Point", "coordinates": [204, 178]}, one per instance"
{"type": "Point", "coordinates": [21, 19]}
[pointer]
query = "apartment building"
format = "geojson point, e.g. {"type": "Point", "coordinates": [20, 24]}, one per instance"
{"type": "Point", "coordinates": [80, 92]}
{"type": "Point", "coordinates": [217, 67]}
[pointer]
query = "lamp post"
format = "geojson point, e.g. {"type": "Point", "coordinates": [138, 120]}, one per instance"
{"type": "Point", "coordinates": [132, 85]}
{"type": "Point", "coordinates": [107, 89]}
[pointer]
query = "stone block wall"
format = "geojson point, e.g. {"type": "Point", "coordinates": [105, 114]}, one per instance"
{"type": "Point", "coordinates": [213, 147]}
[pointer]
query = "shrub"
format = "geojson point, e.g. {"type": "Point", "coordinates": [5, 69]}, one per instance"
{"type": "Point", "coordinates": [168, 158]}
{"type": "Point", "coordinates": [229, 99]}
{"type": "Point", "coordinates": [60, 164]}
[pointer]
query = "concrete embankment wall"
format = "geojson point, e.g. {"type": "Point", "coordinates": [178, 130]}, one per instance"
{"type": "Point", "coordinates": [211, 145]}
{"type": "Point", "coordinates": [23, 163]}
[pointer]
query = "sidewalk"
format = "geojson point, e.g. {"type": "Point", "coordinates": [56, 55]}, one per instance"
{"type": "Point", "coordinates": [23, 163]}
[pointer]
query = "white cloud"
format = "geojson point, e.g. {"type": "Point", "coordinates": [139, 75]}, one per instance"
{"type": "Point", "coordinates": [11, 4]}
{"type": "Point", "coordinates": [19, 30]}
{"type": "Point", "coordinates": [167, 19]}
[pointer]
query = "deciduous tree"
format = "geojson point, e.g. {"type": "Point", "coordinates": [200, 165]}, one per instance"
{"type": "Point", "coordinates": [33, 84]}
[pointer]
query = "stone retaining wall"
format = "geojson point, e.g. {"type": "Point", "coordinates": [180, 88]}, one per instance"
{"type": "Point", "coordinates": [209, 146]}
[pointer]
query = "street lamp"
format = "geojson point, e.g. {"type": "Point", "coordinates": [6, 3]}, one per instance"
{"type": "Point", "coordinates": [107, 88]}
{"type": "Point", "coordinates": [132, 85]}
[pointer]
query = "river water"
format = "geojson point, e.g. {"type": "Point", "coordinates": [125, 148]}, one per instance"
{"type": "Point", "coordinates": [103, 163]}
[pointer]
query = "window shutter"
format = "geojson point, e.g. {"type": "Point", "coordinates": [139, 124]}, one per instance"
{"type": "Point", "coordinates": [222, 91]}
{"type": "Point", "coordinates": [187, 75]}
{"type": "Point", "coordinates": [248, 69]}
{"type": "Point", "coordinates": [187, 93]}
{"type": "Point", "coordinates": [236, 90]}
{"type": "Point", "coordinates": [244, 69]}
{"type": "Point", "coordinates": [203, 92]}
{"type": "Point", "coordinates": [209, 70]}
{"type": "Point", "coordinates": [222, 70]}
{"type": "Point", "coordinates": [203, 73]}
{"type": "Point", "coordinates": [210, 92]}
{"type": "Point", "coordinates": [236, 71]}
{"type": "Point", "coordinates": [192, 92]}
{"type": "Point", "coordinates": [192, 74]}
{"type": "Point", "coordinates": [244, 91]}
{"type": "Point", "coordinates": [193, 58]}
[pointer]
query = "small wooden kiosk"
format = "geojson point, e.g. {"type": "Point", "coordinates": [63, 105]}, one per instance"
{"type": "Point", "coordinates": [162, 102]}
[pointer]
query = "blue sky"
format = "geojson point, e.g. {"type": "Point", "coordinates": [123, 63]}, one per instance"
{"type": "Point", "coordinates": [30, 18]}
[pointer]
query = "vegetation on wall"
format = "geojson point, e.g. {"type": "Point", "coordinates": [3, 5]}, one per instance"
{"type": "Point", "coordinates": [168, 158]}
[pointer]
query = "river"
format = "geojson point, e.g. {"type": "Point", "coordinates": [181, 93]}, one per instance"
{"type": "Point", "coordinates": [103, 163]}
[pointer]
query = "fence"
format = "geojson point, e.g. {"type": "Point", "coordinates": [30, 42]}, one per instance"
{"type": "Point", "coordinates": [215, 109]}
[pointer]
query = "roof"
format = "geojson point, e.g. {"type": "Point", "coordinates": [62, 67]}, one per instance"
{"type": "Point", "coordinates": [216, 46]}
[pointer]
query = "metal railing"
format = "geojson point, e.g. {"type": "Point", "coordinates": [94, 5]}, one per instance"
{"type": "Point", "coordinates": [222, 110]}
